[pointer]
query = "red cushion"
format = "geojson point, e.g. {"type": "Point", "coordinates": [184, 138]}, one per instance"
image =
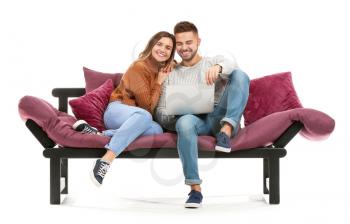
{"type": "Point", "coordinates": [92, 105]}
{"type": "Point", "coordinates": [270, 94]}
{"type": "Point", "coordinates": [94, 79]}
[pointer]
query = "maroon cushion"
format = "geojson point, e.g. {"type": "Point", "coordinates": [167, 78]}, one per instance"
{"type": "Point", "coordinates": [94, 79]}
{"type": "Point", "coordinates": [92, 105]}
{"type": "Point", "coordinates": [270, 94]}
{"type": "Point", "coordinates": [317, 126]}
{"type": "Point", "coordinates": [57, 124]}
{"type": "Point", "coordinates": [164, 140]}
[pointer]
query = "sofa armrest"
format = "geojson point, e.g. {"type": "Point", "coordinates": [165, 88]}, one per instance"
{"type": "Point", "coordinates": [288, 135]}
{"type": "Point", "coordinates": [64, 93]}
{"type": "Point", "coordinates": [68, 92]}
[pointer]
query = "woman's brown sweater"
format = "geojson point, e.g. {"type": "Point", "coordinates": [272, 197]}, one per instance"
{"type": "Point", "coordinates": [139, 86]}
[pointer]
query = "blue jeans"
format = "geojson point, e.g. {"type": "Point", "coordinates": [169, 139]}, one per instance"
{"type": "Point", "coordinates": [125, 123]}
{"type": "Point", "coordinates": [189, 127]}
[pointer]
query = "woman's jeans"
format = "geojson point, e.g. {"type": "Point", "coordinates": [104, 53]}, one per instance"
{"type": "Point", "coordinates": [125, 123]}
{"type": "Point", "coordinates": [189, 127]}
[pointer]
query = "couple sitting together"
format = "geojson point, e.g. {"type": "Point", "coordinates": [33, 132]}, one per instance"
{"type": "Point", "coordinates": [140, 97]}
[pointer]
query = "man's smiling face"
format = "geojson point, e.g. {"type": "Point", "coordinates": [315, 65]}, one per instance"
{"type": "Point", "coordinates": [187, 44]}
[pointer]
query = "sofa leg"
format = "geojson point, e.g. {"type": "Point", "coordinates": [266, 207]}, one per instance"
{"type": "Point", "coordinates": [55, 185]}
{"type": "Point", "coordinates": [64, 174]}
{"type": "Point", "coordinates": [265, 176]}
{"type": "Point", "coordinates": [274, 181]}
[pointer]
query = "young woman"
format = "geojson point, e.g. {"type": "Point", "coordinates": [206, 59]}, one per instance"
{"type": "Point", "coordinates": [132, 103]}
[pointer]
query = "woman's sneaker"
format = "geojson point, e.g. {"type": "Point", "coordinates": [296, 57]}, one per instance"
{"type": "Point", "coordinates": [194, 200]}
{"type": "Point", "coordinates": [223, 143]}
{"type": "Point", "coordinates": [99, 171]}
{"type": "Point", "coordinates": [83, 127]}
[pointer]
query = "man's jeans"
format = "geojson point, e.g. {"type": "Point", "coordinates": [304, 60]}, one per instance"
{"type": "Point", "coordinates": [125, 123]}
{"type": "Point", "coordinates": [189, 127]}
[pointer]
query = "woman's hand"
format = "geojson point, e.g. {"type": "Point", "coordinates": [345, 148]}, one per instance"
{"type": "Point", "coordinates": [170, 66]}
{"type": "Point", "coordinates": [162, 74]}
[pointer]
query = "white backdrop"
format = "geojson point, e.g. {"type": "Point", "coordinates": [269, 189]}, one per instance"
{"type": "Point", "coordinates": [45, 44]}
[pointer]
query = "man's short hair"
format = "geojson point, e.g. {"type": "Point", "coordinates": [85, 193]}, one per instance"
{"type": "Point", "coordinates": [185, 26]}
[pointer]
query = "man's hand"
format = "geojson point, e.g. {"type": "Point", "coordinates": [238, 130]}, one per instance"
{"type": "Point", "coordinates": [212, 74]}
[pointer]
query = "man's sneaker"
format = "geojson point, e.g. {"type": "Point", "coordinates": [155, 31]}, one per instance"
{"type": "Point", "coordinates": [84, 127]}
{"type": "Point", "coordinates": [99, 171]}
{"type": "Point", "coordinates": [194, 200]}
{"type": "Point", "coordinates": [223, 143]}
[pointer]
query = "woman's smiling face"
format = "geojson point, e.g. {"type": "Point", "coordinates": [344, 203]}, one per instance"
{"type": "Point", "coordinates": [161, 51]}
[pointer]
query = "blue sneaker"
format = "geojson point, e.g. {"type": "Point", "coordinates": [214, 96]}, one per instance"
{"type": "Point", "coordinates": [194, 200]}
{"type": "Point", "coordinates": [99, 171]}
{"type": "Point", "coordinates": [223, 143]}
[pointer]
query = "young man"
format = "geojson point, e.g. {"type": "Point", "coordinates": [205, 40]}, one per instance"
{"type": "Point", "coordinates": [231, 95]}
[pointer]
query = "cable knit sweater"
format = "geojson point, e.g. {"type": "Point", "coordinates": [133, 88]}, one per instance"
{"type": "Point", "coordinates": [139, 86]}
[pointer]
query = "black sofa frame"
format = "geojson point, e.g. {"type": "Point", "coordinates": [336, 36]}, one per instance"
{"type": "Point", "coordinates": [59, 155]}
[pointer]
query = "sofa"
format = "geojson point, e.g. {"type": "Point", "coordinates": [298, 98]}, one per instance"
{"type": "Point", "coordinates": [273, 116]}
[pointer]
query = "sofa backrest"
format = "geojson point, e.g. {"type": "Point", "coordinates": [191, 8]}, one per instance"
{"type": "Point", "coordinates": [267, 95]}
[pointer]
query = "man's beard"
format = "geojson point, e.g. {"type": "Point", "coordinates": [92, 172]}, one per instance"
{"type": "Point", "coordinates": [191, 57]}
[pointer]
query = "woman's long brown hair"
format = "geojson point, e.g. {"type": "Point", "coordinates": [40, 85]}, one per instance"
{"type": "Point", "coordinates": [147, 52]}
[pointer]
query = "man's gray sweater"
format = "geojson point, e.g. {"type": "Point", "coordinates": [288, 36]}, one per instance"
{"type": "Point", "coordinates": [193, 75]}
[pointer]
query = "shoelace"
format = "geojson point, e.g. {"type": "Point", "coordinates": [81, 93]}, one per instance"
{"type": "Point", "coordinates": [227, 140]}
{"type": "Point", "coordinates": [103, 169]}
{"type": "Point", "coordinates": [224, 138]}
{"type": "Point", "coordinates": [88, 129]}
{"type": "Point", "coordinates": [194, 195]}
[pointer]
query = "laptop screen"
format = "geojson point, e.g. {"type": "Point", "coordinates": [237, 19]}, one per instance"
{"type": "Point", "coordinates": [189, 99]}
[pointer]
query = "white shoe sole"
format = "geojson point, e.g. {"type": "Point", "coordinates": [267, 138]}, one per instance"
{"type": "Point", "coordinates": [92, 176]}
{"type": "Point", "coordinates": [222, 149]}
{"type": "Point", "coordinates": [77, 123]}
{"type": "Point", "coordinates": [192, 205]}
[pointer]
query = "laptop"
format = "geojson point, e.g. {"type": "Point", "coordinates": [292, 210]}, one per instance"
{"type": "Point", "coordinates": [189, 99]}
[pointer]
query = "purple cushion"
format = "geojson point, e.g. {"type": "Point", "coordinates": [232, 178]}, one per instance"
{"type": "Point", "coordinates": [317, 126]}
{"type": "Point", "coordinates": [165, 140]}
{"type": "Point", "coordinates": [92, 105]}
{"type": "Point", "coordinates": [57, 125]}
{"type": "Point", "coordinates": [270, 94]}
{"type": "Point", "coordinates": [94, 79]}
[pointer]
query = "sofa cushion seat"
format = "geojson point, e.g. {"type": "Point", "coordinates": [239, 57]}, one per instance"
{"type": "Point", "coordinates": [263, 132]}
